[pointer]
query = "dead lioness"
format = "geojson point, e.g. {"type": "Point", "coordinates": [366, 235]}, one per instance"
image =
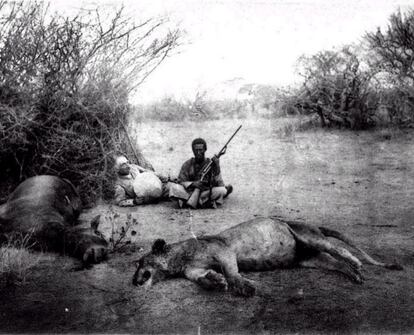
{"type": "Point", "coordinates": [45, 209]}
{"type": "Point", "coordinates": [256, 245]}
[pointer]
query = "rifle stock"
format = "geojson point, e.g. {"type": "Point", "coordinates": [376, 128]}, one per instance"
{"type": "Point", "coordinates": [193, 199]}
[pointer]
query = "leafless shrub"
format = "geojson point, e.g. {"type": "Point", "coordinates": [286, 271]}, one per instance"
{"type": "Point", "coordinates": [362, 87]}
{"type": "Point", "coordinates": [392, 53]}
{"type": "Point", "coordinates": [121, 231]}
{"type": "Point", "coordinates": [64, 90]}
{"type": "Point", "coordinates": [338, 87]}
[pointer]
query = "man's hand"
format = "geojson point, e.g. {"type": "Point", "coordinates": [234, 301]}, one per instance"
{"type": "Point", "coordinates": [164, 179]}
{"type": "Point", "coordinates": [216, 159]}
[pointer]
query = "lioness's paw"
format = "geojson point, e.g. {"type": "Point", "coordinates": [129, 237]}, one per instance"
{"type": "Point", "coordinates": [244, 287]}
{"type": "Point", "coordinates": [95, 254]}
{"type": "Point", "coordinates": [358, 278]}
{"type": "Point", "coordinates": [218, 280]}
{"type": "Point", "coordinates": [213, 281]}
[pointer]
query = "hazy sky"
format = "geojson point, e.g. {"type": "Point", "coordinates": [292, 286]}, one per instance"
{"type": "Point", "coordinates": [258, 40]}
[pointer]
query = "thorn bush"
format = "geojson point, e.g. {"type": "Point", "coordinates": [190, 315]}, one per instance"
{"type": "Point", "coordinates": [64, 89]}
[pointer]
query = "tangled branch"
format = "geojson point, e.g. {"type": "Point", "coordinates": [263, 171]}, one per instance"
{"type": "Point", "coordinates": [64, 88]}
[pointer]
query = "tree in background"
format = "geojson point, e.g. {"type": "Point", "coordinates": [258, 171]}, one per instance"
{"type": "Point", "coordinates": [393, 55]}
{"type": "Point", "coordinates": [260, 99]}
{"type": "Point", "coordinates": [64, 88]}
{"type": "Point", "coordinates": [338, 87]}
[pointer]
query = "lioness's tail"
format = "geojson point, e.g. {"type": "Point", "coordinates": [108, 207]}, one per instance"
{"type": "Point", "coordinates": [2, 212]}
{"type": "Point", "coordinates": [336, 234]}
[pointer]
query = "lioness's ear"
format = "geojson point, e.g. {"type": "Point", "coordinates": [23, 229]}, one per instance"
{"type": "Point", "coordinates": [95, 222]}
{"type": "Point", "coordinates": [159, 246]}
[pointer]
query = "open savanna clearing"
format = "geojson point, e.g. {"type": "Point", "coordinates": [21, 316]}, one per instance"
{"type": "Point", "coordinates": [359, 183]}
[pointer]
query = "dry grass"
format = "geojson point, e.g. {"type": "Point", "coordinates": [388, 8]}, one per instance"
{"type": "Point", "coordinates": [343, 180]}
{"type": "Point", "coordinates": [17, 261]}
{"type": "Point", "coordinates": [288, 127]}
{"type": "Point", "coordinates": [15, 264]}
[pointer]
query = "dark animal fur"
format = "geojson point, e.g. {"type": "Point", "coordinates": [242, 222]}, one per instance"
{"type": "Point", "coordinates": [46, 209]}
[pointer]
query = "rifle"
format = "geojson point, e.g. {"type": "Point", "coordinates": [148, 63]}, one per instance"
{"type": "Point", "coordinates": [193, 199]}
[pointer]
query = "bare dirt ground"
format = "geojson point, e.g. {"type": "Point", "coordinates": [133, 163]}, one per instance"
{"type": "Point", "coordinates": [359, 183]}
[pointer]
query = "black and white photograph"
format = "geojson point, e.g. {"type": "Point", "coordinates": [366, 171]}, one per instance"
{"type": "Point", "coordinates": [207, 166]}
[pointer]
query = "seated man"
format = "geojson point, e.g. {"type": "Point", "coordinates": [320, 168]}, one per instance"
{"type": "Point", "coordinates": [212, 190]}
{"type": "Point", "coordinates": [135, 185]}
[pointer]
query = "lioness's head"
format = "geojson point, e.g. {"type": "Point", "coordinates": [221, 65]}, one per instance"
{"type": "Point", "coordinates": [152, 267]}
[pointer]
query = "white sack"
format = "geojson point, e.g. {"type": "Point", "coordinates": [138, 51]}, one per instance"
{"type": "Point", "coordinates": [147, 184]}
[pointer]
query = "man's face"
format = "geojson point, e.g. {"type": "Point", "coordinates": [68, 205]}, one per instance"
{"type": "Point", "coordinates": [199, 150]}
{"type": "Point", "coordinates": [124, 169]}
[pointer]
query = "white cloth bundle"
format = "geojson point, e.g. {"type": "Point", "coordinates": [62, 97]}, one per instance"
{"type": "Point", "coordinates": [147, 184]}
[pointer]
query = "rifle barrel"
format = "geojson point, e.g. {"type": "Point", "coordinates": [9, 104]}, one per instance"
{"type": "Point", "coordinates": [234, 134]}
{"type": "Point", "coordinates": [208, 166]}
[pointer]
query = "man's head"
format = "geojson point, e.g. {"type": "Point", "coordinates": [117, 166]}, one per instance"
{"type": "Point", "coordinates": [199, 147]}
{"type": "Point", "coordinates": [122, 165]}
